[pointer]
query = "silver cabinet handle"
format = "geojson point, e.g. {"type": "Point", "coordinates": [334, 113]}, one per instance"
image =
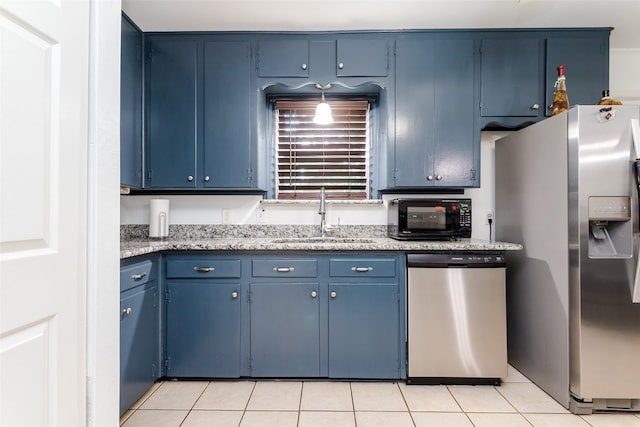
{"type": "Point", "coordinates": [127, 311]}
{"type": "Point", "coordinates": [304, 66]}
{"type": "Point", "coordinates": [430, 178]}
{"type": "Point", "coordinates": [438, 178]}
{"type": "Point", "coordinates": [333, 294]}
{"type": "Point", "coordinates": [207, 178]}
{"type": "Point", "coordinates": [234, 295]}
{"type": "Point", "coordinates": [283, 269]}
{"type": "Point", "coordinates": [341, 65]}
{"type": "Point", "coordinates": [314, 294]}
{"type": "Point", "coordinates": [535, 107]}
{"type": "Point", "coordinates": [204, 269]}
{"type": "Point", "coordinates": [190, 178]}
{"type": "Point", "coordinates": [139, 276]}
{"type": "Point", "coordinates": [361, 269]}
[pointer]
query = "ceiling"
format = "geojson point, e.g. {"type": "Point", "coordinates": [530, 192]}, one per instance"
{"type": "Point", "coordinates": [336, 15]}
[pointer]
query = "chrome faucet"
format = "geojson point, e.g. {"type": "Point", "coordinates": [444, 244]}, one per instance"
{"type": "Point", "coordinates": [323, 211]}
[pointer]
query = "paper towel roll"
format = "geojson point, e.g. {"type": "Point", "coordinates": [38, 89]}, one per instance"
{"type": "Point", "coordinates": [159, 218]}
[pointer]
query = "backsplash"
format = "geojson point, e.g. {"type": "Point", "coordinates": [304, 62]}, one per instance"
{"type": "Point", "coordinates": [213, 231]}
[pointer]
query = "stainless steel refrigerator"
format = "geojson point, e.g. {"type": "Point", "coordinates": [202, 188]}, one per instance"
{"type": "Point", "coordinates": [567, 190]}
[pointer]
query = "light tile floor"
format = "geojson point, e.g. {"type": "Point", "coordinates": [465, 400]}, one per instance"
{"type": "Point", "coordinates": [517, 402]}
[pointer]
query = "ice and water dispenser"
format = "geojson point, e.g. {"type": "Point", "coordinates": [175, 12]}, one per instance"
{"type": "Point", "coordinates": [610, 227]}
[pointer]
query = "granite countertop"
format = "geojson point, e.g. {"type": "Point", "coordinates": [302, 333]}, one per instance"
{"type": "Point", "coordinates": [135, 247]}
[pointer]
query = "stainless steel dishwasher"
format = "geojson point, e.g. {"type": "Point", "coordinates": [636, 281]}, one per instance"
{"type": "Point", "coordinates": [456, 308]}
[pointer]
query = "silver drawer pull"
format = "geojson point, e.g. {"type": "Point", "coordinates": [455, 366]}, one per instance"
{"type": "Point", "coordinates": [333, 294]}
{"type": "Point", "coordinates": [361, 269]}
{"type": "Point", "coordinates": [234, 295]}
{"type": "Point", "coordinates": [139, 276]}
{"type": "Point", "coordinates": [283, 269]}
{"type": "Point", "coordinates": [204, 269]}
{"type": "Point", "coordinates": [314, 294]}
{"type": "Point", "coordinates": [127, 311]}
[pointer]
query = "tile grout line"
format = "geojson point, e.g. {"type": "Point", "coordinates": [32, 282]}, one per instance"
{"type": "Point", "coordinates": [194, 403]}
{"type": "Point", "coordinates": [406, 404]}
{"type": "Point", "coordinates": [300, 403]}
{"type": "Point", "coordinates": [246, 405]}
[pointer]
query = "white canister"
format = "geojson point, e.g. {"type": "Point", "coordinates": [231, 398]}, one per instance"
{"type": "Point", "coordinates": [159, 218]}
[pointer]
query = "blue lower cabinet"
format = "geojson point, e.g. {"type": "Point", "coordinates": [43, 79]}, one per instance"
{"type": "Point", "coordinates": [139, 335]}
{"type": "Point", "coordinates": [203, 329]}
{"type": "Point", "coordinates": [364, 330]}
{"type": "Point", "coordinates": [285, 329]}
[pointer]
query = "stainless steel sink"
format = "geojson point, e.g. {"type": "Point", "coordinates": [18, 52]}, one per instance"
{"type": "Point", "coordinates": [323, 240]}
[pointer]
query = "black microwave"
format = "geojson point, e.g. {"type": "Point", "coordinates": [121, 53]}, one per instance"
{"type": "Point", "coordinates": [429, 219]}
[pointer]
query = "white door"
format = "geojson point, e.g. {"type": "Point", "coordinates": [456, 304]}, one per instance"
{"type": "Point", "coordinates": [43, 157]}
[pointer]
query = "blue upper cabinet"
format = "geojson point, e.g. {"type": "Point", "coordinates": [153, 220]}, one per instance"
{"type": "Point", "coordinates": [283, 58]}
{"type": "Point", "coordinates": [362, 58]}
{"type": "Point", "coordinates": [510, 77]}
{"type": "Point", "coordinates": [437, 134]}
{"type": "Point", "coordinates": [586, 62]}
{"type": "Point", "coordinates": [229, 149]}
{"type": "Point", "coordinates": [131, 105]}
{"type": "Point", "coordinates": [456, 156]}
{"type": "Point", "coordinates": [199, 132]}
{"type": "Point", "coordinates": [519, 69]}
{"type": "Point", "coordinates": [322, 59]}
{"type": "Point", "coordinates": [171, 113]}
{"type": "Point", "coordinates": [415, 97]}
{"type": "Point", "coordinates": [207, 125]}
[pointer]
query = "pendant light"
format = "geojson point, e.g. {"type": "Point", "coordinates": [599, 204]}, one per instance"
{"type": "Point", "coordinates": [323, 109]}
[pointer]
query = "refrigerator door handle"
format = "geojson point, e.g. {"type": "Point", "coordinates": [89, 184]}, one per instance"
{"type": "Point", "coordinates": [635, 134]}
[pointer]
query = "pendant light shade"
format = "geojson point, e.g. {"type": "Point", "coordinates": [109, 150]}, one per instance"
{"type": "Point", "coordinates": [323, 109]}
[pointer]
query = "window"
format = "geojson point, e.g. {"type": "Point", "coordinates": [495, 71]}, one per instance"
{"type": "Point", "coordinates": [310, 156]}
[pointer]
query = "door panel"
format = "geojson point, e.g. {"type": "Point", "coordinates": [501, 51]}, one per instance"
{"type": "Point", "coordinates": [171, 114]}
{"type": "Point", "coordinates": [227, 106]}
{"type": "Point", "coordinates": [415, 67]}
{"type": "Point", "coordinates": [43, 152]}
{"type": "Point", "coordinates": [510, 77]}
{"type": "Point", "coordinates": [285, 330]}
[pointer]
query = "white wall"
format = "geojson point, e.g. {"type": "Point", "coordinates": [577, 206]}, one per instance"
{"type": "Point", "coordinates": [625, 85]}
{"type": "Point", "coordinates": [214, 209]}
{"type": "Point", "coordinates": [624, 70]}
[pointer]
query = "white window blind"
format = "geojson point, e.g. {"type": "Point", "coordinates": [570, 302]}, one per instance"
{"type": "Point", "coordinates": [310, 156]}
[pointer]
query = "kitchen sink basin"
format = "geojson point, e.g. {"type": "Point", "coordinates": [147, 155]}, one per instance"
{"type": "Point", "coordinates": [323, 240]}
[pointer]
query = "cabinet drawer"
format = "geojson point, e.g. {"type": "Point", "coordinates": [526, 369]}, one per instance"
{"type": "Point", "coordinates": [203, 268]}
{"type": "Point", "coordinates": [361, 267]}
{"type": "Point", "coordinates": [136, 274]}
{"type": "Point", "coordinates": [285, 267]}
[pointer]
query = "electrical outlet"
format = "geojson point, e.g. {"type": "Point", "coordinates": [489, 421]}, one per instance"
{"type": "Point", "coordinates": [226, 216]}
{"type": "Point", "coordinates": [488, 217]}
{"type": "Point", "coordinates": [260, 216]}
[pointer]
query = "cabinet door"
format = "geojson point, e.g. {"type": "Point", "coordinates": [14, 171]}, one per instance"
{"type": "Point", "coordinates": [587, 68]}
{"type": "Point", "coordinates": [456, 158]}
{"type": "Point", "coordinates": [228, 150]}
{"type": "Point", "coordinates": [364, 330]}
{"type": "Point", "coordinates": [415, 109]}
{"type": "Point", "coordinates": [510, 77]}
{"type": "Point", "coordinates": [362, 58]}
{"type": "Point", "coordinates": [139, 335]}
{"type": "Point", "coordinates": [171, 113]}
{"type": "Point", "coordinates": [285, 330]}
{"type": "Point", "coordinates": [283, 58]}
{"type": "Point", "coordinates": [203, 329]}
{"type": "Point", "coordinates": [131, 105]}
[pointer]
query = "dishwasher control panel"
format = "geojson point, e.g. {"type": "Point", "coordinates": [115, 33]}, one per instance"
{"type": "Point", "coordinates": [439, 260]}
